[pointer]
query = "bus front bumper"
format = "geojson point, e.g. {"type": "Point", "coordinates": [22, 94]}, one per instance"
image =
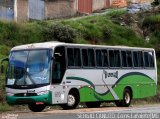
{"type": "Point", "coordinates": [16, 100]}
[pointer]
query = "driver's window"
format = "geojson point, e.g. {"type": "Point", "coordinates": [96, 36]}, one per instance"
{"type": "Point", "coordinates": [59, 65]}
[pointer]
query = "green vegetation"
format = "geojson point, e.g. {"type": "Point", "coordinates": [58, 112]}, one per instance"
{"type": "Point", "coordinates": [60, 32]}
{"type": "Point", "coordinates": [5, 107]}
{"type": "Point", "coordinates": [113, 28]}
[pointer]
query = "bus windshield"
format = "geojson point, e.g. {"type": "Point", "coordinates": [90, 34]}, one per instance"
{"type": "Point", "coordinates": [28, 67]}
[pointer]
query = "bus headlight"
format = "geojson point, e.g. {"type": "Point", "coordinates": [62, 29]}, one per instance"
{"type": "Point", "coordinates": [43, 92]}
{"type": "Point", "coordinates": [10, 94]}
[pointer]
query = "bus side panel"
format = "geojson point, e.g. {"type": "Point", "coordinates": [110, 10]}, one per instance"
{"type": "Point", "coordinates": [88, 94]}
{"type": "Point", "coordinates": [94, 86]}
{"type": "Point", "coordinates": [141, 86]}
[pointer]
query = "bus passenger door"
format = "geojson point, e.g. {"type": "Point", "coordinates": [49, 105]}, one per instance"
{"type": "Point", "coordinates": [58, 71]}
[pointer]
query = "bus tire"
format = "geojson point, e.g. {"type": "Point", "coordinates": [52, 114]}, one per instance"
{"type": "Point", "coordinates": [126, 101]}
{"type": "Point", "coordinates": [93, 104]}
{"type": "Point", "coordinates": [72, 101]}
{"type": "Point", "coordinates": [36, 108]}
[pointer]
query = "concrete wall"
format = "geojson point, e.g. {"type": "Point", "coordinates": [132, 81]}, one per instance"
{"type": "Point", "coordinates": [21, 10]}
{"type": "Point", "coordinates": [98, 4]}
{"type": "Point", "coordinates": [60, 8]}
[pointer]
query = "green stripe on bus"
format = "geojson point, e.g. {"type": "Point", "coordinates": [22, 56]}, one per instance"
{"type": "Point", "coordinates": [141, 84]}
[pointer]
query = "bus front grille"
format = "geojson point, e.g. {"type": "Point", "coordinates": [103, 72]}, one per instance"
{"type": "Point", "coordinates": [25, 101]}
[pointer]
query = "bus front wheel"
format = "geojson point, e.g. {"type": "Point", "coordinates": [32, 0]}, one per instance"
{"type": "Point", "coordinates": [36, 108]}
{"type": "Point", "coordinates": [126, 101]}
{"type": "Point", "coordinates": [72, 101]}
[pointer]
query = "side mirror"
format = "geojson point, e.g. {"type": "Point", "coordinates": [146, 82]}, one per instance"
{"type": "Point", "coordinates": [2, 66]}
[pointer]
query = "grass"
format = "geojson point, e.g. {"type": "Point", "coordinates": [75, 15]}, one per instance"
{"type": "Point", "coordinates": [102, 30]}
{"type": "Point", "coordinates": [5, 107]}
{"type": "Point", "coordinates": [151, 20]}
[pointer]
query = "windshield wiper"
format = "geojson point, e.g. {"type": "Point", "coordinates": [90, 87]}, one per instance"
{"type": "Point", "coordinates": [31, 79]}
{"type": "Point", "coordinates": [25, 74]}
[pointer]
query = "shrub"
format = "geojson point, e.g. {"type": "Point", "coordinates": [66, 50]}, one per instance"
{"type": "Point", "coordinates": [62, 33]}
{"type": "Point", "coordinates": [155, 2]}
{"type": "Point", "coordinates": [151, 22]}
{"type": "Point", "coordinates": [107, 33]}
{"type": "Point", "coordinates": [4, 50]}
{"type": "Point", "coordinates": [91, 32]}
{"type": "Point", "coordinates": [8, 32]}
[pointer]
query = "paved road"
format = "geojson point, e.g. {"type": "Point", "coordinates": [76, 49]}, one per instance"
{"type": "Point", "coordinates": [141, 112]}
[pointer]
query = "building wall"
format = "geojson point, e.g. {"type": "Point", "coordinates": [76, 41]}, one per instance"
{"type": "Point", "coordinates": [7, 9]}
{"type": "Point", "coordinates": [60, 8]}
{"type": "Point", "coordinates": [98, 4]}
{"type": "Point", "coordinates": [108, 4]}
{"type": "Point", "coordinates": [141, 1]}
{"type": "Point", "coordinates": [119, 3]}
{"type": "Point", "coordinates": [85, 6]}
{"type": "Point", "coordinates": [21, 10]}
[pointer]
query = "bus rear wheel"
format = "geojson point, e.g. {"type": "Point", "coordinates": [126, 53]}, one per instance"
{"type": "Point", "coordinates": [36, 108]}
{"type": "Point", "coordinates": [93, 104]}
{"type": "Point", "coordinates": [72, 101]}
{"type": "Point", "coordinates": [126, 101]}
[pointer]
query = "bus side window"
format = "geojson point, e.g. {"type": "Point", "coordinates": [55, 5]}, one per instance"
{"type": "Point", "coordinates": [70, 54]}
{"type": "Point", "coordinates": [117, 58]}
{"type": "Point", "coordinates": [129, 58]}
{"type": "Point", "coordinates": [148, 59]}
{"type": "Point", "coordinates": [138, 59]}
{"type": "Point", "coordinates": [135, 58]}
{"type": "Point", "coordinates": [105, 58]}
{"type": "Point", "coordinates": [98, 58]}
{"type": "Point", "coordinates": [85, 57]}
{"type": "Point", "coordinates": [111, 58]}
{"type": "Point", "coordinates": [114, 58]}
{"type": "Point", "coordinates": [74, 57]}
{"type": "Point", "coordinates": [151, 59]}
{"type": "Point", "coordinates": [91, 60]}
{"type": "Point", "coordinates": [140, 56]}
{"type": "Point", "coordinates": [124, 58]}
{"type": "Point", "coordinates": [77, 57]}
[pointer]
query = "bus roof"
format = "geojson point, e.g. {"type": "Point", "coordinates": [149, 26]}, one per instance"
{"type": "Point", "coordinates": [52, 45]}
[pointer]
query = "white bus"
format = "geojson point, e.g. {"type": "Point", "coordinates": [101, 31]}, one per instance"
{"type": "Point", "coordinates": [65, 74]}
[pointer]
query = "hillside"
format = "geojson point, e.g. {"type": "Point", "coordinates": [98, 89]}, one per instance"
{"type": "Point", "coordinates": [113, 28]}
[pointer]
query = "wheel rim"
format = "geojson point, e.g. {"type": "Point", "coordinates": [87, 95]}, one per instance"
{"type": "Point", "coordinates": [127, 98]}
{"type": "Point", "coordinates": [71, 100]}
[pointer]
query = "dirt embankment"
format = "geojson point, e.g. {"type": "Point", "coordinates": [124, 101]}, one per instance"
{"type": "Point", "coordinates": [136, 21]}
